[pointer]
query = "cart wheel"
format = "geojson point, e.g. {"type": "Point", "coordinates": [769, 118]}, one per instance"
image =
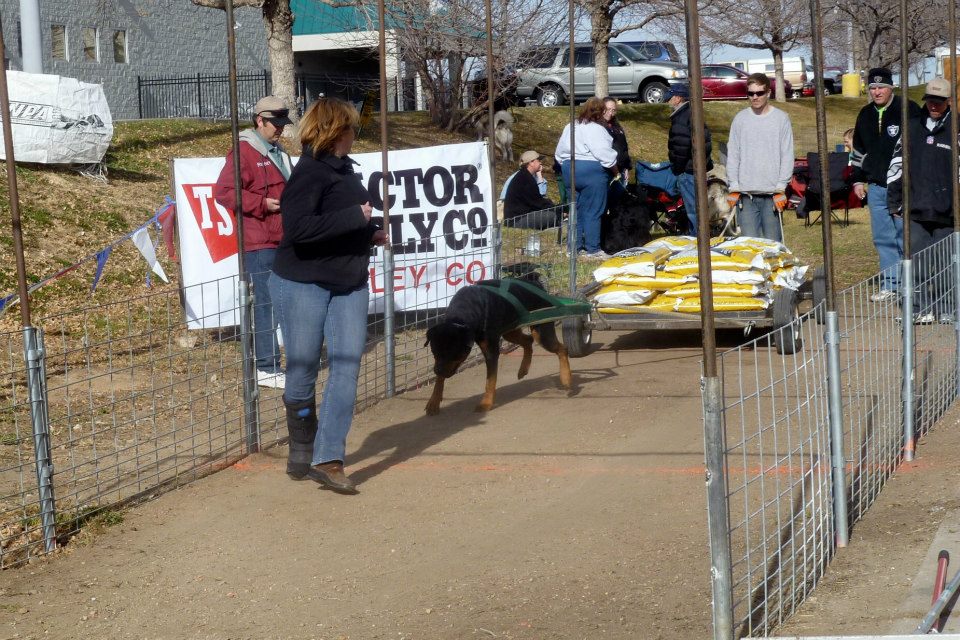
{"type": "Point", "coordinates": [786, 322]}
{"type": "Point", "coordinates": [576, 336]}
{"type": "Point", "coordinates": [820, 293]}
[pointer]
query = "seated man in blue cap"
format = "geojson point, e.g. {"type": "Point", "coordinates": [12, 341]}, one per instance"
{"type": "Point", "coordinates": [680, 150]}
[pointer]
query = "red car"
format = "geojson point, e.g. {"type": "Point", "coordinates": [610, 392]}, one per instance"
{"type": "Point", "coordinates": [723, 82]}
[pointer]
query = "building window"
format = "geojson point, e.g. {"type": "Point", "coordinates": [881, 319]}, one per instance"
{"type": "Point", "coordinates": [58, 42]}
{"type": "Point", "coordinates": [91, 52]}
{"type": "Point", "coordinates": [120, 47]}
{"type": "Point", "coordinates": [20, 40]}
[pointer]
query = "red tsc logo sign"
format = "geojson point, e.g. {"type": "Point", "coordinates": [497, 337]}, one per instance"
{"type": "Point", "coordinates": [216, 223]}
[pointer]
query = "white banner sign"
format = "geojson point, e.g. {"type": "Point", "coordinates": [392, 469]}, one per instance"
{"type": "Point", "coordinates": [440, 227]}
{"type": "Point", "coordinates": [57, 120]}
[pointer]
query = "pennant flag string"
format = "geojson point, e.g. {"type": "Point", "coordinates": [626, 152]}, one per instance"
{"type": "Point", "coordinates": [101, 257]}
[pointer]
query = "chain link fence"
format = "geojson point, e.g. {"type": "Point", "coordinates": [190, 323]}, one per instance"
{"type": "Point", "coordinates": [779, 471]}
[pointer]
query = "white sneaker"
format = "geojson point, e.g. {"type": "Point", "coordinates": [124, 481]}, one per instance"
{"type": "Point", "coordinates": [883, 295]}
{"type": "Point", "coordinates": [273, 380]}
{"type": "Point", "coordinates": [597, 255]}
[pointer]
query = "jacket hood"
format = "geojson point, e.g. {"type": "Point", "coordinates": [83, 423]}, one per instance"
{"type": "Point", "coordinates": [251, 137]}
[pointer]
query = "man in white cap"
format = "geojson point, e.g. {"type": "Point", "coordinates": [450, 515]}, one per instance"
{"type": "Point", "coordinates": [524, 206]}
{"type": "Point", "coordinates": [264, 169]}
{"type": "Point", "coordinates": [932, 182]}
{"type": "Point", "coordinates": [874, 136]}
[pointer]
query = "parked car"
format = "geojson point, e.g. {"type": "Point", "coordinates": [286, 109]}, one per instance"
{"type": "Point", "coordinates": [723, 82]}
{"type": "Point", "coordinates": [654, 49]}
{"type": "Point", "coordinates": [794, 69]}
{"type": "Point", "coordinates": [545, 77]}
{"type": "Point", "coordinates": [832, 81]}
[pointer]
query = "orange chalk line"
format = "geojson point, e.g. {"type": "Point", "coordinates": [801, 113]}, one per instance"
{"type": "Point", "coordinates": [546, 469]}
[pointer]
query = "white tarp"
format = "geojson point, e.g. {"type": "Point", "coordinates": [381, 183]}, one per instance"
{"type": "Point", "coordinates": [57, 120]}
{"type": "Point", "coordinates": [440, 227]}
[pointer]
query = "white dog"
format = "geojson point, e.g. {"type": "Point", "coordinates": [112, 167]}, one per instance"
{"type": "Point", "coordinates": [502, 134]}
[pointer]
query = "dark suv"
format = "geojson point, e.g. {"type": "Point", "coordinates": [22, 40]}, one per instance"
{"type": "Point", "coordinates": [546, 75]}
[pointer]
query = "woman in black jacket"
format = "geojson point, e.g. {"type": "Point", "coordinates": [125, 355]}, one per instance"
{"type": "Point", "coordinates": [319, 290]}
{"type": "Point", "coordinates": [619, 138]}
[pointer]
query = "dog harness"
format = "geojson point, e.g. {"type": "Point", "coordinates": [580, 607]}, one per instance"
{"type": "Point", "coordinates": [557, 307]}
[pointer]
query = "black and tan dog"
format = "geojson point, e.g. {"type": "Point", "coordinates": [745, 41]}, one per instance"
{"type": "Point", "coordinates": [482, 315]}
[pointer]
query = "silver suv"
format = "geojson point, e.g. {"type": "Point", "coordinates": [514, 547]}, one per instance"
{"type": "Point", "coordinates": [546, 75]}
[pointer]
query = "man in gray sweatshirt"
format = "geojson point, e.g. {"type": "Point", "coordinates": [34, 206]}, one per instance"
{"type": "Point", "coordinates": [760, 162]}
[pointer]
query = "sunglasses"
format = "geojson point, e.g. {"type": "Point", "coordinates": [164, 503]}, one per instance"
{"type": "Point", "coordinates": [756, 94]}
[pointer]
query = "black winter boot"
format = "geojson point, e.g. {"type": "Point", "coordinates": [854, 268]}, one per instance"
{"type": "Point", "coordinates": [302, 427]}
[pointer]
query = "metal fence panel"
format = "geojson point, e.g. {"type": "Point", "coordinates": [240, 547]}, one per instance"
{"type": "Point", "coordinates": [777, 436]}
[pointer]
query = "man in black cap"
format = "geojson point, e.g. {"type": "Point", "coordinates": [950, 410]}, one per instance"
{"type": "Point", "coordinates": [264, 170]}
{"type": "Point", "coordinates": [932, 182]}
{"type": "Point", "coordinates": [874, 137]}
{"type": "Point", "coordinates": [680, 150]}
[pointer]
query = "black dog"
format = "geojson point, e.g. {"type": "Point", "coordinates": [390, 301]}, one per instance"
{"type": "Point", "coordinates": [478, 314]}
{"type": "Point", "coordinates": [628, 222]}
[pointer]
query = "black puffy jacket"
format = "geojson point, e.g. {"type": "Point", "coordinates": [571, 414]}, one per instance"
{"type": "Point", "coordinates": [931, 172]}
{"type": "Point", "coordinates": [680, 142]}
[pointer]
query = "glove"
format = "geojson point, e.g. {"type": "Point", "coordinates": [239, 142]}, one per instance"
{"type": "Point", "coordinates": [779, 201]}
{"type": "Point", "coordinates": [733, 198]}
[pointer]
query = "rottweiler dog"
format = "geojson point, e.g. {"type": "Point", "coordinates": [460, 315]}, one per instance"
{"type": "Point", "coordinates": [477, 315]}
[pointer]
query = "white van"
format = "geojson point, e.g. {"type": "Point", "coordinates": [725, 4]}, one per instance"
{"type": "Point", "coordinates": [794, 69]}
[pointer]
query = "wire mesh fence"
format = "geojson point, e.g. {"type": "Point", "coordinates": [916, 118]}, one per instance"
{"type": "Point", "coordinates": [138, 402]}
{"type": "Point", "coordinates": [777, 439]}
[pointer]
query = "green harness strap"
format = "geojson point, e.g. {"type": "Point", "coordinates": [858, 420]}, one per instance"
{"type": "Point", "coordinates": [558, 307]}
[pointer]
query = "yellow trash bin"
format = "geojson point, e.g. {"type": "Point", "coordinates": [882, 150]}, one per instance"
{"type": "Point", "coordinates": [851, 85]}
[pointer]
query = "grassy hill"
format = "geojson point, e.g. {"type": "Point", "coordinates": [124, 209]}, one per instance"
{"type": "Point", "coordinates": [67, 216]}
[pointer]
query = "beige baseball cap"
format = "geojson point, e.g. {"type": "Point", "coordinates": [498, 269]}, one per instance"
{"type": "Point", "coordinates": [529, 156]}
{"type": "Point", "coordinates": [273, 109]}
{"type": "Point", "coordinates": [938, 89]}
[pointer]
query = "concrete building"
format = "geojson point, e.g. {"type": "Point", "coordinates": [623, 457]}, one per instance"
{"type": "Point", "coordinates": [112, 43]}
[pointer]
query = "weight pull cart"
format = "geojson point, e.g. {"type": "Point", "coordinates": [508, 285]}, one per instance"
{"type": "Point", "coordinates": [783, 316]}
{"type": "Point", "coordinates": [556, 307]}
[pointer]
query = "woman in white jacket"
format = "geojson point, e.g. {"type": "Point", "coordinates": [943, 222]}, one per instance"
{"type": "Point", "coordinates": [596, 165]}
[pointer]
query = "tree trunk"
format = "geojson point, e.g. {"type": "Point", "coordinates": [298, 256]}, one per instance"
{"type": "Point", "coordinates": [278, 22]}
{"type": "Point", "coordinates": [781, 93]}
{"type": "Point", "coordinates": [600, 24]}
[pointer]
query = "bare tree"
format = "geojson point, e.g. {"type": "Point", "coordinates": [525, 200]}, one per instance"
{"type": "Point", "coordinates": [776, 26]}
{"type": "Point", "coordinates": [610, 18]}
{"type": "Point", "coordinates": [278, 24]}
{"type": "Point", "coordinates": [444, 42]}
{"type": "Point", "coordinates": [876, 25]}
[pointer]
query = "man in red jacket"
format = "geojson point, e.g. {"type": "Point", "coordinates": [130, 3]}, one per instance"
{"type": "Point", "coordinates": [264, 169]}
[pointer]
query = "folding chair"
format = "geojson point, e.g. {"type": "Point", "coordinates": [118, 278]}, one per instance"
{"type": "Point", "coordinates": [840, 188]}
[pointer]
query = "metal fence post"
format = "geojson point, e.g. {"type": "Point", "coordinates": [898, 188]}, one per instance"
{"type": "Point", "coordinates": [835, 407]}
{"type": "Point", "coordinates": [140, 96]}
{"type": "Point", "coordinates": [955, 291]}
{"type": "Point", "coordinates": [35, 358]}
{"type": "Point", "coordinates": [389, 301]}
{"type": "Point", "coordinates": [718, 525]}
{"type": "Point", "coordinates": [906, 384]}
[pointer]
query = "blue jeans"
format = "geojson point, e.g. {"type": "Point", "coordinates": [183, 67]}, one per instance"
{"type": "Point", "coordinates": [688, 191]}
{"type": "Point", "coordinates": [758, 217]}
{"type": "Point", "coordinates": [887, 236]}
{"type": "Point", "coordinates": [592, 184]}
{"type": "Point", "coordinates": [259, 265]}
{"type": "Point", "coordinates": [309, 314]}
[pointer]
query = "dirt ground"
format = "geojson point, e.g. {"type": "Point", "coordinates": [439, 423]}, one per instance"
{"type": "Point", "coordinates": [553, 516]}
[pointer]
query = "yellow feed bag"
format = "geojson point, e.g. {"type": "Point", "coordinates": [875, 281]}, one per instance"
{"type": "Point", "coordinates": [692, 290]}
{"type": "Point", "coordinates": [637, 262]}
{"type": "Point", "coordinates": [692, 305]}
{"type": "Point", "coordinates": [738, 277]}
{"type": "Point", "coordinates": [767, 248]}
{"type": "Point", "coordinates": [673, 243]}
{"type": "Point", "coordinates": [660, 282]}
{"type": "Point", "coordinates": [687, 262]}
{"type": "Point", "coordinates": [622, 294]}
{"type": "Point", "coordinates": [790, 277]}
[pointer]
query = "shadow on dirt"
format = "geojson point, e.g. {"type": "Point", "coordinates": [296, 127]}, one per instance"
{"type": "Point", "coordinates": [406, 440]}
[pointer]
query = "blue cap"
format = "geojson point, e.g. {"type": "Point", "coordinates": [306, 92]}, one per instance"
{"type": "Point", "coordinates": [681, 89]}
